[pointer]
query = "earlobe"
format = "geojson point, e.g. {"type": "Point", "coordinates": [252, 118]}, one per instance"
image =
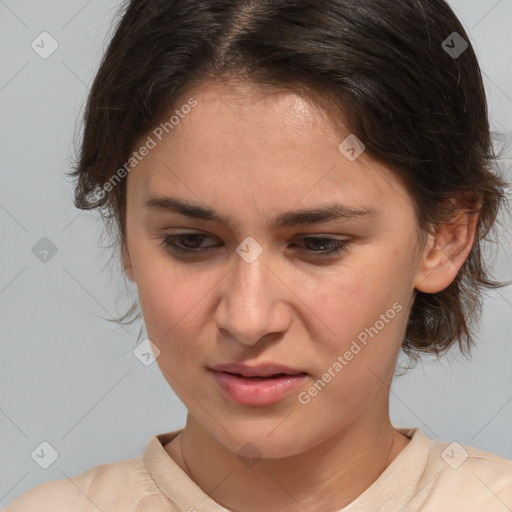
{"type": "Point", "coordinates": [127, 263]}
{"type": "Point", "coordinates": [446, 251]}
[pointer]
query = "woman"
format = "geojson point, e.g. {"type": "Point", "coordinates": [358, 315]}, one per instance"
{"type": "Point", "coordinates": [299, 190]}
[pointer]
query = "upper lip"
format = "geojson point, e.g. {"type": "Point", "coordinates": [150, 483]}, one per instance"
{"type": "Point", "coordinates": [260, 370]}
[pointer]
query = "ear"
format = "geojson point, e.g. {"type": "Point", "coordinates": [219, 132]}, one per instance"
{"type": "Point", "coordinates": [127, 262]}
{"type": "Point", "coordinates": [446, 251]}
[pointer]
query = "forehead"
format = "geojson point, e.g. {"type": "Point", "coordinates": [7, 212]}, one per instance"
{"type": "Point", "coordinates": [281, 118]}
{"type": "Point", "coordinates": [278, 146]}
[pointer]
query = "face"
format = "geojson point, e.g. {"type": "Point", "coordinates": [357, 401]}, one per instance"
{"type": "Point", "coordinates": [323, 295]}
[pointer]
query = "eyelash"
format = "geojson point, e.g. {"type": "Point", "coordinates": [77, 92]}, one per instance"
{"type": "Point", "coordinates": [169, 242]}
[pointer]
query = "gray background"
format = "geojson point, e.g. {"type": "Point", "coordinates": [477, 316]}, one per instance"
{"type": "Point", "coordinates": [70, 378]}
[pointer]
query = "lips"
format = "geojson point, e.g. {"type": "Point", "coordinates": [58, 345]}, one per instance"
{"type": "Point", "coordinates": [265, 370]}
{"type": "Point", "coordinates": [257, 391]}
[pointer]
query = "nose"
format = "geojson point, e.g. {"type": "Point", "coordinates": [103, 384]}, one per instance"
{"type": "Point", "coordinates": [253, 302]}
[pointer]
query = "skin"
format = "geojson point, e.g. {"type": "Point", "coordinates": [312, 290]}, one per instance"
{"type": "Point", "coordinates": [251, 156]}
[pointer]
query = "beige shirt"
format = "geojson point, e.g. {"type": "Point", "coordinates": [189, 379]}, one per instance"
{"type": "Point", "coordinates": [427, 476]}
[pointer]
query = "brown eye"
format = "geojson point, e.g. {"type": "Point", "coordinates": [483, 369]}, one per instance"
{"type": "Point", "coordinates": [186, 243]}
{"type": "Point", "coordinates": [189, 244]}
{"type": "Point", "coordinates": [326, 247]}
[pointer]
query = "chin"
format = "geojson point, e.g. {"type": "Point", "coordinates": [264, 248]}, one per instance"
{"type": "Point", "coordinates": [253, 442]}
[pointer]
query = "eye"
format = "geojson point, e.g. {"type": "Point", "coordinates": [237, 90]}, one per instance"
{"type": "Point", "coordinates": [329, 248]}
{"type": "Point", "coordinates": [188, 245]}
{"type": "Point", "coordinates": [171, 242]}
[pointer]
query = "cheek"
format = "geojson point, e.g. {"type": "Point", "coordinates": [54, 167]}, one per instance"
{"type": "Point", "coordinates": [167, 302]}
{"type": "Point", "coordinates": [355, 356]}
{"type": "Point", "coordinates": [359, 314]}
{"type": "Point", "coordinates": [174, 302]}
{"type": "Point", "coordinates": [352, 298]}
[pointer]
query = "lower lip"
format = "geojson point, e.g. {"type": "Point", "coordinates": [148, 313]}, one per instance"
{"type": "Point", "coordinates": [257, 391]}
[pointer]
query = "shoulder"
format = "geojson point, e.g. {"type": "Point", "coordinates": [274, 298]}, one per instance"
{"type": "Point", "coordinates": [116, 486]}
{"type": "Point", "coordinates": [472, 476]}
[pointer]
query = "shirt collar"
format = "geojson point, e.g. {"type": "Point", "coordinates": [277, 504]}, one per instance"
{"type": "Point", "coordinates": [391, 486]}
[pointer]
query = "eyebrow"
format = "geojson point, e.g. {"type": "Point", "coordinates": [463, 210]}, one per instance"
{"type": "Point", "coordinates": [325, 213]}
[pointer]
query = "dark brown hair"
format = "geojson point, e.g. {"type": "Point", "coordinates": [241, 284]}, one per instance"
{"type": "Point", "coordinates": [389, 67]}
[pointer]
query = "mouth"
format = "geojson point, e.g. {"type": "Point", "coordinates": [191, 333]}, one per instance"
{"type": "Point", "coordinates": [262, 371]}
{"type": "Point", "coordinates": [257, 378]}
{"type": "Point", "coordinates": [257, 390]}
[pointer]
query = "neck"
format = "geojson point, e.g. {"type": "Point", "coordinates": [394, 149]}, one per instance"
{"type": "Point", "coordinates": [326, 477]}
